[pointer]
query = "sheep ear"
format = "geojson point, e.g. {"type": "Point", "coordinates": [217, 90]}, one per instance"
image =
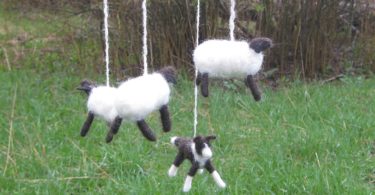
{"type": "Point", "coordinates": [86, 86]}
{"type": "Point", "coordinates": [87, 83]}
{"type": "Point", "coordinates": [86, 89]}
{"type": "Point", "coordinates": [210, 137]}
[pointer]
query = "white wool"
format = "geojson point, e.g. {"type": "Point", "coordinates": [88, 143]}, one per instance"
{"type": "Point", "coordinates": [223, 58]}
{"type": "Point", "coordinates": [101, 102]}
{"type": "Point", "coordinates": [172, 171]}
{"type": "Point", "coordinates": [142, 95]}
{"type": "Point", "coordinates": [218, 179]}
{"type": "Point", "coordinates": [187, 184]}
{"type": "Point", "coordinates": [201, 159]}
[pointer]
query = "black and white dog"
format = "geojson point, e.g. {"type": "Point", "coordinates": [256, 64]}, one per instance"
{"type": "Point", "coordinates": [199, 153]}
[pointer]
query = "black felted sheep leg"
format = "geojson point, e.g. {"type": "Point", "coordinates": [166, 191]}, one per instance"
{"type": "Point", "coordinates": [250, 82]}
{"type": "Point", "coordinates": [204, 86]}
{"type": "Point", "coordinates": [86, 126]}
{"type": "Point", "coordinates": [146, 131]}
{"type": "Point", "coordinates": [165, 119]}
{"type": "Point", "coordinates": [114, 129]}
{"type": "Point", "coordinates": [116, 125]}
{"type": "Point", "coordinates": [109, 137]}
{"type": "Point", "coordinates": [198, 79]}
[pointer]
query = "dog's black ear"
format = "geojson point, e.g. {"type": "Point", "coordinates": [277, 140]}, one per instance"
{"type": "Point", "coordinates": [210, 137]}
{"type": "Point", "coordinates": [198, 139]}
{"type": "Point", "coordinates": [260, 44]}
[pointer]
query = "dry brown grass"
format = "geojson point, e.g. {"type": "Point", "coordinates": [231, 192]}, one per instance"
{"type": "Point", "coordinates": [312, 37]}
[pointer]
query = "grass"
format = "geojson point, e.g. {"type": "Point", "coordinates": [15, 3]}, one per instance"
{"type": "Point", "coordinates": [316, 139]}
{"type": "Point", "coordinates": [300, 139]}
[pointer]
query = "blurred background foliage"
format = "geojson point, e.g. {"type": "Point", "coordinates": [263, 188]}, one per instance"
{"type": "Point", "coordinates": [313, 38]}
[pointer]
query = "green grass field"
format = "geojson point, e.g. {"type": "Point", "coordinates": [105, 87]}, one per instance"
{"type": "Point", "coordinates": [315, 139]}
{"type": "Point", "coordinates": [300, 139]}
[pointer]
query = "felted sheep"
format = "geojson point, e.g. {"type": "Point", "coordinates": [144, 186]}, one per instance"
{"type": "Point", "coordinates": [136, 98]}
{"type": "Point", "coordinates": [199, 153]}
{"type": "Point", "coordinates": [100, 103]}
{"type": "Point", "coordinates": [230, 59]}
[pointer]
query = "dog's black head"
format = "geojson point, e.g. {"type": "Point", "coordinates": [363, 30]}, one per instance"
{"type": "Point", "coordinates": [201, 141]}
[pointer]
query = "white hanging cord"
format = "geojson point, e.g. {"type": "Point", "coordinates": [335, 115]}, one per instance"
{"type": "Point", "coordinates": [106, 39]}
{"type": "Point", "coordinates": [198, 18]}
{"type": "Point", "coordinates": [196, 75]}
{"type": "Point", "coordinates": [144, 9]}
{"type": "Point", "coordinates": [231, 19]}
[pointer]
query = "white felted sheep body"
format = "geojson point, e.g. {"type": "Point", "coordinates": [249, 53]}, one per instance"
{"type": "Point", "coordinates": [138, 97]}
{"type": "Point", "coordinates": [230, 59]}
{"type": "Point", "coordinates": [227, 59]}
{"type": "Point", "coordinates": [101, 102]}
